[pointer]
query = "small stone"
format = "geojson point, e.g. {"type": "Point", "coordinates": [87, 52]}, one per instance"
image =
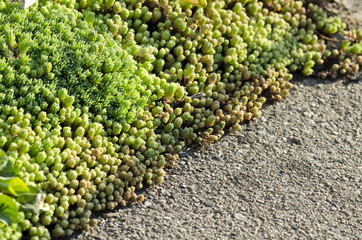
{"type": "Point", "coordinates": [210, 215]}
{"type": "Point", "coordinates": [208, 203]}
{"type": "Point", "coordinates": [262, 119]}
{"type": "Point", "coordinates": [112, 214]}
{"type": "Point", "coordinates": [308, 114]}
{"type": "Point", "coordinates": [294, 140]}
{"type": "Point", "coordinates": [216, 158]}
{"type": "Point", "coordinates": [162, 202]}
{"type": "Point", "coordinates": [147, 203]}
{"type": "Point", "coordinates": [240, 217]}
{"type": "Point", "coordinates": [348, 213]}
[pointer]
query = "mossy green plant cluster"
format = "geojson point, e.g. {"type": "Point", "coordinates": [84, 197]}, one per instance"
{"type": "Point", "coordinates": [97, 97]}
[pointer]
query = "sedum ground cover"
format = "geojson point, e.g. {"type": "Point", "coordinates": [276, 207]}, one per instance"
{"type": "Point", "coordinates": [97, 97]}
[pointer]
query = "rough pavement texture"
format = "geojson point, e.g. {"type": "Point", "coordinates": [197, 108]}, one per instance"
{"type": "Point", "coordinates": [351, 11]}
{"type": "Point", "coordinates": [295, 173]}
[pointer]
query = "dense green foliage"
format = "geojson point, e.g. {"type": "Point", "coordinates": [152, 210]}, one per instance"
{"type": "Point", "coordinates": [97, 97]}
{"type": "Point", "coordinates": [54, 68]}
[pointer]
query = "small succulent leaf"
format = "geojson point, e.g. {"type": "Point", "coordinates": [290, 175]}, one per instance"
{"type": "Point", "coordinates": [8, 210]}
{"type": "Point", "coordinates": [6, 168]}
{"type": "Point", "coordinates": [13, 186]}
